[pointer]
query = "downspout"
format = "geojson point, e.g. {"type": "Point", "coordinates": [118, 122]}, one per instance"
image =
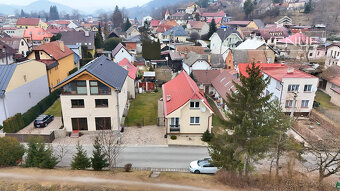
{"type": "Point", "coordinates": [118, 120]}
{"type": "Point", "coordinates": [5, 109]}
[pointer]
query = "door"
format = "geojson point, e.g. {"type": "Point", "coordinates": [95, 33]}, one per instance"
{"type": "Point", "coordinates": [37, 56]}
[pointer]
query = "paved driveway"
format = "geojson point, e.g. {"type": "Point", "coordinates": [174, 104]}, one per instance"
{"type": "Point", "coordinates": [54, 125]}
{"type": "Point", "coordinates": [147, 135]}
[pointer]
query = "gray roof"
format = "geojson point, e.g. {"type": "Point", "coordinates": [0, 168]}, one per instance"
{"type": "Point", "coordinates": [224, 33]}
{"type": "Point", "coordinates": [175, 56]}
{"type": "Point", "coordinates": [136, 38]}
{"type": "Point", "coordinates": [74, 37]}
{"type": "Point", "coordinates": [104, 69]}
{"type": "Point", "coordinates": [117, 48]}
{"type": "Point", "coordinates": [175, 31]}
{"type": "Point", "coordinates": [259, 23]}
{"type": "Point", "coordinates": [6, 72]}
{"type": "Point", "coordinates": [240, 56]}
{"type": "Point", "coordinates": [192, 57]}
{"type": "Point", "coordinates": [217, 61]}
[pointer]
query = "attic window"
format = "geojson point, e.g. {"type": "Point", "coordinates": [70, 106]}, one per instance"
{"type": "Point", "coordinates": [222, 80]}
{"type": "Point", "coordinates": [225, 85]}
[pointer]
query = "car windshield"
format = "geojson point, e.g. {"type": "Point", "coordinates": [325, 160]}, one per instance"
{"type": "Point", "coordinates": [202, 162]}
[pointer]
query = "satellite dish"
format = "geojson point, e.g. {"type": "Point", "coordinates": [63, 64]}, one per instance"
{"type": "Point", "coordinates": [315, 89]}
{"type": "Point", "coordinates": [203, 109]}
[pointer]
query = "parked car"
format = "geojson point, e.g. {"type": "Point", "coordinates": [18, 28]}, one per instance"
{"type": "Point", "coordinates": [43, 120]}
{"type": "Point", "coordinates": [202, 166]}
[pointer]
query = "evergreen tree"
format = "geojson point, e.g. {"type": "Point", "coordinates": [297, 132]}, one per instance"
{"type": "Point", "coordinates": [151, 50]}
{"type": "Point", "coordinates": [308, 7]}
{"type": "Point", "coordinates": [56, 37]}
{"type": "Point", "coordinates": [117, 18]}
{"type": "Point", "coordinates": [212, 28]}
{"type": "Point", "coordinates": [203, 3]}
{"type": "Point", "coordinates": [127, 24]}
{"type": "Point", "coordinates": [98, 159]}
{"type": "Point", "coordinates": [248, 129]}
{"type": "Point", "coordinates": [248, 7]}
{"type": "Point", "coordinates": [207, 136]}
{"type": "Point", "coordinates": [98, 40]}
{"type": "Point", "coordinates": [54, 15]}
{"type": "Point", "coordinates": [111, 43]}
{"type": "Point", "coordinates": [38, 155]}
{"type": "Point", "coordinates": [80, 160]}
{"type": "Point", "coordinates": [22, 13]}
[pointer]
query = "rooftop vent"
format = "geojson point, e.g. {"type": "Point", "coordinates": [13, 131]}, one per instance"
{"type": "Point", "coordinates": [290, 70]}
{"type": "Point", "coordinates": [168, 98]}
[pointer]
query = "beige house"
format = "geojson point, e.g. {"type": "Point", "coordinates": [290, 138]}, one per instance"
{"type": "Point", "coordinates": [130, 80]}
{"type": "Point", "coordinates": [186, 110]}
{"type": "Point", "coordinates": [333, 55]}
{"type": "Point", "coordinates": [94, 97]}
{"type": "Point", "coordinates": [330, 83]}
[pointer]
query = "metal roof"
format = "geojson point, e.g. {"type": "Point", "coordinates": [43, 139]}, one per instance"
{"type": "Point", "coordinates": [104, 69]}
{"type": "Point", "coordinates": [6, 72]}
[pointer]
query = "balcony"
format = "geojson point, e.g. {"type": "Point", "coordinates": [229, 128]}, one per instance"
{"type": "Point", "coordinates": [174, 128]}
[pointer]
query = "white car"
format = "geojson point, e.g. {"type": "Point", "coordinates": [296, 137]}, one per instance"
{"type": "Point", "coordinates": [202, 166]}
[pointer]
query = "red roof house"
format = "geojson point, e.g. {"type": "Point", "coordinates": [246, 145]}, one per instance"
{"type": "Point", "coordinates": [129, 67]}
{"type": "Point", "coordinates": [28, 22]}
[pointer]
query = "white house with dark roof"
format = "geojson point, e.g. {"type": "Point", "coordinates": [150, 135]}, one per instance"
{"type": "Point", "coordinates": [121, 52]}
{"type": "Point", "coordinates": [196, 61]}
{"type": "Point", "coordinates": [224, 39]}
{"type": "Point", "coordinates": [94, 97]}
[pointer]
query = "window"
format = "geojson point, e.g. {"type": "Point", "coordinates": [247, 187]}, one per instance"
{"type": "Point", "coordinates": [81, 87]}
{"type": "Point", "coordinates": [293, 88]}
{"type": "Point", "coordinates": [267, 92]}
{"type": "Point", "coordinates": [79, 124]}
{"type": "Point", "coordinates": [77, 103]}
{"type": "Point", "coordinates": [174, 124]}
{"type": "Point", "coordinates": [278, 85]}
{"type": "Point", "coordinates": [103, 123]}
{"type": "Point", "coordinates": [75, 88]}
{"type": "Point", "coordinates": [102, 103]}
{"type": "Point", "coordinates": [25, 78]}
{"type": "Point", "coordinates": [304, 103]}
{"type": "Point", "coordinates": [194, 120]}
{"type": "Point", "coordinates": [194, 104]}
{"type": "Point", "coordinates": [98, 88]}
{"type": "Point", "coordinates": [307, 88]}
{"type": "Point", "coordinates": [289, 103]}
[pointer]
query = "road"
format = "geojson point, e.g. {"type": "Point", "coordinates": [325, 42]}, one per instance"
{"type": "Point", "coordinates": [148, 156]}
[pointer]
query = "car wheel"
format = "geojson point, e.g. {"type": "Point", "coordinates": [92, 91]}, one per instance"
{"type": "Point", "coordinates": [196, 171]}
{"type": "Point", "coordinates": [45, 124]}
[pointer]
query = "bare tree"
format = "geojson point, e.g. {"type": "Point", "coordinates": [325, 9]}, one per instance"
{"type": "Point", "coordinates": [62, 149]}
{"type": "Point", "coordinates": [326, 158]}
{"type": "Point", "coordinates": [108, 139]}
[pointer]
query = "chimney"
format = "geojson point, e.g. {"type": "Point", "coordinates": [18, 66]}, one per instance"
{"type": "Point", "coordinates": [168, 98]}
{"type": "Point", "coordinates": [87, 33]}
{"type": "Point", "coordinates": [61, 45]}
{"type": "Point", "coordinates": [290, 70]}
{"type": "Point", "coordinates": [209, 57]}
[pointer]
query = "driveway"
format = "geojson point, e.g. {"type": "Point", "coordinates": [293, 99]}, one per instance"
{"type": "Point", "coordinates": [54, 125]}
{"type": "Point", "coordinates": [147, 135]}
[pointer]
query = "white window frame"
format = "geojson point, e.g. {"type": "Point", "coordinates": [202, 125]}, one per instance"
{"type": "Point", "coordinates": [309, 88]}
{"type": "Point", "coordinates": [173, 121]}
{"type": "Point", "coordinates": [293, 87]}
{"type": "Point", "coordinates": [289, 104]}
{"type": "Point", "coordinates": [304, 103]}
{"type": "Point", "coordinates": [195, 104]}
{"type": "Point", "coordinates": [196, 120]}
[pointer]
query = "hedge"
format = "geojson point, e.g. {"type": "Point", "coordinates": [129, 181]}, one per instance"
{"type": "Point", "coordinates": [19, 121]}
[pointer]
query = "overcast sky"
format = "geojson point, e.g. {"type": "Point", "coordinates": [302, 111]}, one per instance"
{"type": "Point", "coordinates": [87, 5]}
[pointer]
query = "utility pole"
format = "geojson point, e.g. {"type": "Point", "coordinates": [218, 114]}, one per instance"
{"type": "Point", "coordinates": [118, 119]}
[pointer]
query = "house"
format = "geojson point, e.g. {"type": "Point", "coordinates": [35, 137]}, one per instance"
{"type": "Point", "coordinates": [286, 21]}
{"type": "Point", "coordinates": [120, 52]}
{"type": "Point", "coordinates": [175, 61]}
{"type": "Point", "coordinates": [200, 27]}
{"type": "Point", "coordinates": [293, 89]}
{"type": "Point", "coordinates": [273, 33]}
{"type": "Point", "coordinates": [80, 38]}
{"type": "Point", "coordinates": [58, 58]}
{"type": "Point", "coordinates": [331, 83]}
{"type": "Point", "coordinates": [30, 22]}
{"type": "Point", "coordinates": [13, 31]}
{"type": "Point", "coordinates": [204, 78]}
{"type": "Point", "coordinates": [148, 82]}
{"type": "Point", "coordinates": [94, 97]}
{"type": "Point", "coordinates": [195, 61]}
{"type": "Point", "coordinates": [332, 55]}
{"type": "Point", "coordinates": [246, 32]}
{"type": "Point", "coordinates": [191, 8]}
{"type": "Point", "coordinates": [185, 49]}
{"type": "Point", "coordinates": [18, 44]}
{"type": "Point", "coordinates": [175, 34]}
{"type": "Point", "coordinates": [130, 80]}
{"type": "Point", "coordinates": [250, 56]}
{"type": "Point", "coordinates": [220, 15]}
{"type": "Point", "coordinates": [76, 54]}
{"type": "Point", "coordinates": [134, 44]}
{"type": "Point", "coordinates": [224, 39]}
{"type": "Point", "coordinates": [247, 24]}
{"type": "Point", "coordinates": [37, 36]}
{"type": "Point", "coordinates": [317, 53]}
{"type": "Point", "coordinates": [223, 84]}
{"type": "Point", "coordinates": [22, 86]}
{"type": "Point", "coordinates": [132, 31]}
{"type": "Point", "coordinates": [186, 110]}
{"type": "Point", "coordinates": [217, 61]}
{"type": "Point", "coordinates": [7, 54]}
{"type": "Point", "coordinates": [228, 57]}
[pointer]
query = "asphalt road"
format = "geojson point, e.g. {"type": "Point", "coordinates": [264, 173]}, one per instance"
{"type": "Point", "coordinates": [148, 156]}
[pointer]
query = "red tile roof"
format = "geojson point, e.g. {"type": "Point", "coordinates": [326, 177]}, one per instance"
{"type": "Point", "coordinates": [238, 23]}
{"type": "Point", "coordinates": [154, 23]}
{"type": "Point", "coordinates": [242, 67]}
{"type": "Point", "coordinates": [196, 24]}
{"type": "Point", "coordinates": [28, 21]}
{"type": "Point", "coordinates": [36, 33]}
{"type": "Point", "coordinates": [214, 14]}
{"type": "Point", "coordinates": [217, 20]}
{"type": "Point", "coordinates": [129, 67]}
{"type": "Point", "coordinates": [62, 22]}
{"type": "Point", "coordinates": [181, 89]}
{"type": "Point", "coordinates": [53, 49]}
{"type": "Point", "coordinates": [298, 38]}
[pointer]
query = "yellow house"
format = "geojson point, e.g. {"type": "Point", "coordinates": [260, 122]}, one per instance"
{"type": "Point", "coordinates": [252, 25]}
{"type": "Point", "coordinates": [58, 58]}
{"type": "Point", "coordinates": [191, 8]}
{"type": "Point", "coordinates": [30, 22]}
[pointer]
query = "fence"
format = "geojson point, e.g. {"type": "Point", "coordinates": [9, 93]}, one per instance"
{"type": "Point", "coordinates": [23, 138]}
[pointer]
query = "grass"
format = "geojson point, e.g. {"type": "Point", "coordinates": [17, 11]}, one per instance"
{"type": "Point", "coordinates": [324, 100]}
{"type": "Point", "coordinates": [217, 120]}
{"type": "Point", "coordinates": [55, 109]}
{"type": "Point", "coordinates": [143, 110]}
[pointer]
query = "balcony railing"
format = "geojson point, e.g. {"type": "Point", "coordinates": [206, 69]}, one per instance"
{"type": "Point", "coordinates": [174, 128]}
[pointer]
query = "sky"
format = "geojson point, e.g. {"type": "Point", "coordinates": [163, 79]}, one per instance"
{"type": "Point", "coordinates": [85, 5]}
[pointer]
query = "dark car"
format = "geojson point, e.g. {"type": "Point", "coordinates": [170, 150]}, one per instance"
{"type": "Point", "coordinates": [43, 120]}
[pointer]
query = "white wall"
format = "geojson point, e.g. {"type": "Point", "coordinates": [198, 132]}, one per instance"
{"type": "Point", "coordinates": [121, 55]}
{"type": "Point", "coordinates": [332, 56]}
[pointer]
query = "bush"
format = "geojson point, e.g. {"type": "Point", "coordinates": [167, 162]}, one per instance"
{"type": "Point", "coordinates": [84, 61]}
{"type": "Point", "coordinates": [73, 71]}
{"type": "Point", "coordinates": [1, 127]}
{"type": "Point", "coordinates": [173, 137]}
{"type": "Point", "coordinates": [207, 136]}
{"type": "Point", "coordinates": [98, 159]}
{"type": "Point", "coordinates": [80, 160]}
{"type": "Point", "coordinates": [38, 155]}
{"type": "Point", "coordinates": [128, 167]}
{"type": "Point", "coordinates": [11, 151]}
{"type": "Point", "coordinates": [111, 43]}
{"type": "Point", "coordinates": [13, 124]}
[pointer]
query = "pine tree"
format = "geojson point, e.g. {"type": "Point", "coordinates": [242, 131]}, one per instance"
{"type": "Point", "coordinates": [127, 24]}
{"type": "Point", "coordinates": [98, 159]}
{"type": "Point", "coordinates": [117, 18]}
{"type": "Point", "coordinates": [248, 7]}
{"type": "Point", "coordinates": [249, 123]}
{"type": "Point", "coordinates": [212, 28]}
{"type": "Point", "coordinates": [80, 160]}
{"type": "Point", "coordinates": [207, 136]}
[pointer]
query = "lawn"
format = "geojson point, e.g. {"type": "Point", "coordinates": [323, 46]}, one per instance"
{"type": "Point", "coordinates": [55, 109]}
{"type": "Point", "coordinates": [217, 121]}
{"type": "Point", "coordinates": [143, 110]}
{"type": "Point", "coordinates": [324, 100]}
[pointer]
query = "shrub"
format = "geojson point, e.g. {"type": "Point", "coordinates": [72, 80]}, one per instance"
{"type": "Point", "coordinates": [1, 127]}
{"type": "Point", "coordinates": [80, 160]}
{"type": "Point", "coordinates": [13, 124]}
{"type": "Point", "coordinates": [207, 136]}
{"type": "Point", "coordinates": [11, 151]}
{"type": "Point", "coordinates": [73, 71]}
{"type": "Point", "coordinates": [98, 159]}
{"type": "Point", "coordinates": [128, 167]}
{"type": "Point", "coordinates": [38, 155]}
{"type": "Point", "coordinates": [173, 137]}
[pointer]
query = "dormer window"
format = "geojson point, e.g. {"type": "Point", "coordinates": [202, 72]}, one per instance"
{"type": "Point", "coordinates": [194, 104]}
